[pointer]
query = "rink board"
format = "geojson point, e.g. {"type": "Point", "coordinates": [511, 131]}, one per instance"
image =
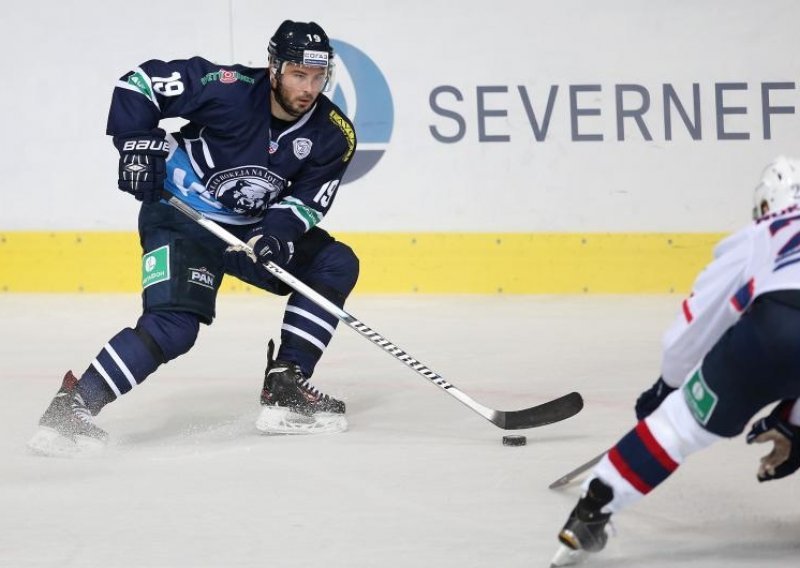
{"type": "Point", "coordinates": [440, 263]}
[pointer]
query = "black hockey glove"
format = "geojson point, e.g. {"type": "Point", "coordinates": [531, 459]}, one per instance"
{"type": "Point", "coordinates": [784, 459]}
{"type": "Point", "coordinates": [652, 398]}
{"type": "Point", "coordinates": [143, 165]}
{"type": "Point", "coordinates": [266, 248]}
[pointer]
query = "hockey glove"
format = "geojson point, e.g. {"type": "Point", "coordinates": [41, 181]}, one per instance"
{"type": "Point", "coordinates": [652, 398]}
{"type": "Point", "coordinates": [265, 248]}
{"type": "Point", "coordinates": [784, 459]}
{"type": "Point", "coordinates": [143, 165]}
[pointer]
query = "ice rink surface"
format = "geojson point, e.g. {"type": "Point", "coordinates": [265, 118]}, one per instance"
{"type": "Point", "coordinates": [419, 480]}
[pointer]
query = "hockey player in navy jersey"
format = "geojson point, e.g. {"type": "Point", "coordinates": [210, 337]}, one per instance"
{"type": "Point", "coordinates": [263, 153]}
{"type": "Point", "coordinates": [731, 352]}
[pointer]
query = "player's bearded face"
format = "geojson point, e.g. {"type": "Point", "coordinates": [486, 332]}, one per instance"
{"type": "Point", "coordinates": [297, 87]}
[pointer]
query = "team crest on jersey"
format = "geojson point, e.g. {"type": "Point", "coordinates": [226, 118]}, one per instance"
{"type": "Point", "coordinates": [273, 146]}
{"type": "Point", "coordinates": [302, 147]}
{"type": "Point", "coordinates": [246, 190]}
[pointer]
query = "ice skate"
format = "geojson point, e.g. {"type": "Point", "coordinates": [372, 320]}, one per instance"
{"type": "Point", "coordinates": [586, 529]}
{"type": "Point", "coordinates": [66, 428]}
{"type": "Point", "coordinates": [292, 405]}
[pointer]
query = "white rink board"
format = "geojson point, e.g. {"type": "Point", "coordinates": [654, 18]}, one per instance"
{"type": "Point", "coordinates": [467, 87]}
{"type": "Point", "coordinates": [419, 480]}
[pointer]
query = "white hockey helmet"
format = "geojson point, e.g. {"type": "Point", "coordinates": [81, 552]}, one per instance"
{"type": "Point", "coordinates": [779, 187]}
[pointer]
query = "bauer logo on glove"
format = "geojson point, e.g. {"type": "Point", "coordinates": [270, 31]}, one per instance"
{"type": "Point", "coordinates": [143, 144]}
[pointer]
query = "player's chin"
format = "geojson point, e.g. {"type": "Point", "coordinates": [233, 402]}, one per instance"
{"type": "Point", "coordinates": [302, 105]}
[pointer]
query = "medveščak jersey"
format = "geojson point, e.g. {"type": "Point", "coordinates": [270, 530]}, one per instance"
{"type": "Point", "coordinates": [286, 176]}
{"type": "Point", "coordinates": [759, 258]}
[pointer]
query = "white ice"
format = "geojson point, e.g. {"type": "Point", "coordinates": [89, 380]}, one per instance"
{"type": "Point", "coordinates": [419, 480]}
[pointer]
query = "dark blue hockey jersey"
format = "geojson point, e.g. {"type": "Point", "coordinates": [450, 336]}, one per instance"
{"type": "Point", "coordinates": [287, 178]}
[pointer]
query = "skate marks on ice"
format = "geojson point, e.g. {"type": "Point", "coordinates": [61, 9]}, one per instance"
{"type": "Point", "coordinates": [417, 480]}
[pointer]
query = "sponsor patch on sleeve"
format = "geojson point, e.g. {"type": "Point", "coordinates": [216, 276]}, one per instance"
{"type": "Point", "coordinates": [138, 81]}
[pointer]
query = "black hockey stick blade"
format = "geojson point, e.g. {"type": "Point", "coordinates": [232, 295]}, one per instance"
{"type": "Point", "coordinates": [575, 473]}
{"type": "Point", "coordinates": [553, 411]}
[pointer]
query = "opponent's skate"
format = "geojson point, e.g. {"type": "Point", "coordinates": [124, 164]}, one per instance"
{"type": "Point", "coordinates": [66, 428]}
{"type": "Point", "coordinates": [292, 405]}
{"type": "Point", "coordinates": [586, 528]}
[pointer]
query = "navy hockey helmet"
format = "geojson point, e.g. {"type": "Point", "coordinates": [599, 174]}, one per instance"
{"type": "Point", "coordinates": [303, 43]}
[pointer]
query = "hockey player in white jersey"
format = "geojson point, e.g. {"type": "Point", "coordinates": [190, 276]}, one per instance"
{"type": "Point", "coordinates": [731, 352]}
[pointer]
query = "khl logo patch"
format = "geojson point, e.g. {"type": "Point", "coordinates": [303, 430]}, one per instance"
{"type": "Point", "coordinates": [302, 147]}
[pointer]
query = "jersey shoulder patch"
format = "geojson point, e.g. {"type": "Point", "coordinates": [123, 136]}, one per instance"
{"type": "Point", "coordinates": [346, 127]}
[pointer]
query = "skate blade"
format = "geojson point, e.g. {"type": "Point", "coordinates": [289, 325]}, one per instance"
{"type": "Point", "coordinates": [279, 420]}
{"type": "Point", "coordinates": [48, 442]}
{"type": "Point", "coordinates": [566, 556]}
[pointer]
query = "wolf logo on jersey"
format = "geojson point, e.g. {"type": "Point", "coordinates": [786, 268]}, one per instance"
{"type": "Point", "coordinates": [243, 196]}
{"type": "Point", "coordinates": [246, 191]}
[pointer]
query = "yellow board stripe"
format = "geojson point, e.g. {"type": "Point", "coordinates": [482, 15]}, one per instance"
{"type": "Point", "coordinates": [438, 263]}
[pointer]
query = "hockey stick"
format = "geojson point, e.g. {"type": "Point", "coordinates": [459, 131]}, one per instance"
{"type": "Point", "coordinates": [546, 413]}
{"type": "Point", "coordinates": [566, 479]}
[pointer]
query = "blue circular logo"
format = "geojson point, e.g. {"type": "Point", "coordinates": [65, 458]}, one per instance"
{"type": "Point", "coordinates": [363, 94]}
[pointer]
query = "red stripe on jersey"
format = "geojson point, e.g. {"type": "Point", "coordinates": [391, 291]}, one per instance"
{"type": "Point", "coordinates": [627, 473]}
{"type": "Point", "coordinates": [687, 313]}
{"type": "Point", "coordinates": [655, 449]}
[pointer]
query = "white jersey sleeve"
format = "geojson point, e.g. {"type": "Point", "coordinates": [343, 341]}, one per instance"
{"type": "Point", "coordinates": [761, 257]}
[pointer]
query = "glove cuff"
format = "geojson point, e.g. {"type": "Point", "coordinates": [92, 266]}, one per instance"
{"type": "Point", "coordinates": [153, 134]}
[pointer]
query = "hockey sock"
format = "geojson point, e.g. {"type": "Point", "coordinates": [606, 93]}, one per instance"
{"type": "Point", "coordinates": [125, 361]}
{"type": "Point", "coordinates": [306, 331]}
{"type": "Point", "coordinates": [651, 452]}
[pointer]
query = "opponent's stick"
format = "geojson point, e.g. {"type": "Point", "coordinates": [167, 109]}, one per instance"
{"type": "Point", "coordinates": [562, 481]}
{"type": "Point", "coordinates": [546, 413]}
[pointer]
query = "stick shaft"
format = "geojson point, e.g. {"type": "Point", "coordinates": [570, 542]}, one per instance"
{"type": "Point", "coordinates": [572, 475]}
{"type": "Point", "coordinates": [360, 327]}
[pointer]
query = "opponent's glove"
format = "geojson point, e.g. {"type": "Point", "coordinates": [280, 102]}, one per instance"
{"type": "Point", "coordinates": [784, 459]}
{"type": "Point", "coordinates": [143, 165]}
{"type": "Point", "coordinates": [266, 248]}
{"type": "Point", "coordinates": [652, 398]}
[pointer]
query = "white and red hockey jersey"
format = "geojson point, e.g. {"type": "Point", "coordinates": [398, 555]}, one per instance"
{"type": "Point", "coordinates": [759, 258]}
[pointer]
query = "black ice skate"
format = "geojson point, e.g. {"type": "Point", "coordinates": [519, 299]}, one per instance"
{"type": "Point", "coordinates": [292, 405]}
{"type": "Point", "coordinates": [66, 428]}
{"type": "Point", "coordinates": [585, 529]}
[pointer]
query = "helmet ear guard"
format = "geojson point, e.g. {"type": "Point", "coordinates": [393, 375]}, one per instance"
{"type": "Point", "coordinates": [779, 187]}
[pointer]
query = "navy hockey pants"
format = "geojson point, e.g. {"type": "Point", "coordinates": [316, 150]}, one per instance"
{"type": "Point", "coordinates": [755, 363]}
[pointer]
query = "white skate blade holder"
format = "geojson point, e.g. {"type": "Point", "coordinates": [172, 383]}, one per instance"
{"type": "Point", "coordinates": [48, 442]}
{"type": "Point", "coordinates": [566, 556]}
{"type": "Point", "coordinates": [281, 420]}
